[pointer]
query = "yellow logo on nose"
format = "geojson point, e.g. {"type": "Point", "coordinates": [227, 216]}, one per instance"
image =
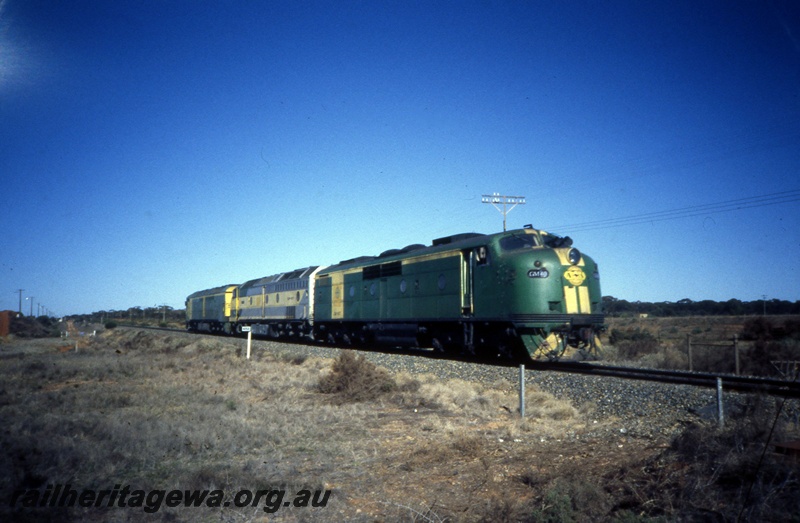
{"type": "Point", "coordinates": [574, 275]}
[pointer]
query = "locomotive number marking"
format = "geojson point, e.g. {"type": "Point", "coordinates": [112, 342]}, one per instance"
{"type": "Point", "coordinates": [538, 273]}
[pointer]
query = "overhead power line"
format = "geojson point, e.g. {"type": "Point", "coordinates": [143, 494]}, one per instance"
{"type": "Point", "coordinates": [685, 212]}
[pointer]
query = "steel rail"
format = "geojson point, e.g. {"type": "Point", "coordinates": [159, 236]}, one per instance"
{"type": "Point", "coordinates": [731, 382]}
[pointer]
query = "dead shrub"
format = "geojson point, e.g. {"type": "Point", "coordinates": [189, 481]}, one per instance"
{"type": "Point", "coordinates": [572, 497]}
{"type": "Point", "coordinates": [457, 396]}
{"type": "Point", "coordinates": [674, 358]}
{"type": "Point", "coordinates": [461, 446]}
{"type": "Point", "coordinates": [632, 343]}
{"type": "Point", "coordinates": [353, 379]}
{"type": "Point", "coordinates": [294, 359]}
{"type": "Point", "coordinates": [727, 472]}
{"type": "Point", "coordinates": [406, 384]}
{"type": "Point", "coordinates": [670, 357]}
{"type": "Point", "coordinates": [542, 405]}
{"type": "Point", "coordinates": [469, 446]}
{"type": "Point", "coordinates": [757, 360]}
{"type": "Point", "coordinates": [773, 340]}
{"type": "Point", "coordinates": [504, 509]}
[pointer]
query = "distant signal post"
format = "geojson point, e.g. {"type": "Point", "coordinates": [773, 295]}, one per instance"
{"type": "Point", "coordinates": [496, 199]}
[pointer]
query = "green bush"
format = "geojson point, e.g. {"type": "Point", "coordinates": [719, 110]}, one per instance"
{"type": "Point", "coordinates": [111, 325]}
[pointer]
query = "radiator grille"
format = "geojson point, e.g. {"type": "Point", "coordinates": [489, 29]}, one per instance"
{"type": "Point", "coordinates": [573, 319]}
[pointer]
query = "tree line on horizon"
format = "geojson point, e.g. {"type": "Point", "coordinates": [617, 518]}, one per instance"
{"type": "Point", "coordinates": [146, 315]}
{"type": "Point", "coordinates": [616, 307]}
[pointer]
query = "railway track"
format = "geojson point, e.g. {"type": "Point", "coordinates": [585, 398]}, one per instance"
{"type": "Point", "coordinates": [730, 382]}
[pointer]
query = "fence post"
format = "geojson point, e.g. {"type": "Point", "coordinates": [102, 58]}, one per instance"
{"type": "Point", "coordinates": [720, 411]}
{"type": "Point", "coordinates": [521, 390]}
{"type": "Point", "coordinates": [736, 351]}
{"type": "Point", "coordinates": [689, 350]}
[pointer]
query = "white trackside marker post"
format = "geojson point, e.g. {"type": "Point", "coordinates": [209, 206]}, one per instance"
{"type": "Point", "coordinates": [249, 339]}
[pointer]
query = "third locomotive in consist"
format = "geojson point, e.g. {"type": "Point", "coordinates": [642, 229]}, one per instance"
{"type": "Point", "coordinates": [521, 293]}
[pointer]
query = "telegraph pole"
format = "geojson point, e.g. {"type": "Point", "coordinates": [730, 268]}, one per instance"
{"type": "Point", "coordinates": [20, 299]}
{"type": "Point", "coordinates": [496, 199]}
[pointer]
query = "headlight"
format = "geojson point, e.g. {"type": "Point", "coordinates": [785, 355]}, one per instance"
{"type": "Point", "coordinates": [574, 256]}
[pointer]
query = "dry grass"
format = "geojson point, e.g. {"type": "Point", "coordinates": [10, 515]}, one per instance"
{"type": "Point", "coordinates": [166, 412]}
{"type": "Point", "coordinates": [158, 411]}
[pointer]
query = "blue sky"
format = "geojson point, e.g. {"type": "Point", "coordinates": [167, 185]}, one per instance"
{"type": "Point", "coordinates": [150, 149]}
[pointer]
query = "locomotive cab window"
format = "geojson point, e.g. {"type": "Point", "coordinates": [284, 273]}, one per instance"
{"type": "Point", "coordinates": [519, 241]}
{"type": "Point", "coordinates": [482, 255]}
{"type": "Point", "coordinates": [554, 241]}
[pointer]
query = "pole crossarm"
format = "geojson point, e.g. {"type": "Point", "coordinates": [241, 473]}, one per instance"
{"type": "Point", "coordinates": [496, 199]}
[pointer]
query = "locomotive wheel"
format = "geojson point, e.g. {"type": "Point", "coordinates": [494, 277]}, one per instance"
{"type": "Point", "coordinates": [445, 343]}
{"type": "Point", "coordinates": [507, 348]}
{"type": "Point", "coordinates": [353, 338]}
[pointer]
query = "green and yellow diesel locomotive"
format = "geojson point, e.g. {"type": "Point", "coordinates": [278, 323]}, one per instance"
{"type": "Point", "coordinates": [517, 293]}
